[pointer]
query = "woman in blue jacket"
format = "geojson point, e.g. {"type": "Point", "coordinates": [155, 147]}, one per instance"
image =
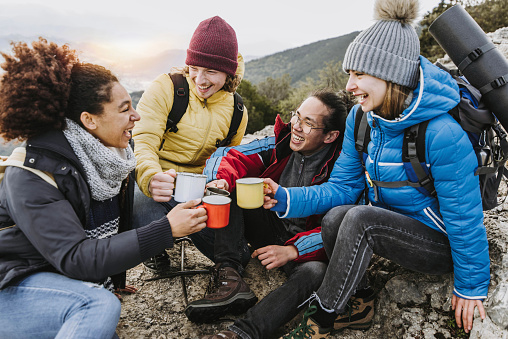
{"type": "Point", "coordinates": [396, 88]}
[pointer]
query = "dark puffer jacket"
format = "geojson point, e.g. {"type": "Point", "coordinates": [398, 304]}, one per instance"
{"type": "Point", "coordinates": [42, 227]}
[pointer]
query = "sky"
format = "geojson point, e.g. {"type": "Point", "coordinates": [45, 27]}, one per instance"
{"type": "Point", "coordinates": [124, 30]}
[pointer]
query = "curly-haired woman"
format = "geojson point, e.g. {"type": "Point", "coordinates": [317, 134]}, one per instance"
{"type": "Point", "coordinates": [66, 242]}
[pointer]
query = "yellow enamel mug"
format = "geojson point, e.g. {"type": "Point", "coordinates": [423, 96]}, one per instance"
{"type": "Point", "coordinates": [249, 193]}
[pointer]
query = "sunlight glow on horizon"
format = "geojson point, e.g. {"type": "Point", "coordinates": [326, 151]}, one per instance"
{"type": "Point", "coordinates": [125, 50]}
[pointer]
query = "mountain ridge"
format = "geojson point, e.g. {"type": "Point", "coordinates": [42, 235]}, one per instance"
{"type": "Point", "coordinates": [299, 62]}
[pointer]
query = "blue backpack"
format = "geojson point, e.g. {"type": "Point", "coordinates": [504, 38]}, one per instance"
{"type": "Point", "coordinates": [488, 138]}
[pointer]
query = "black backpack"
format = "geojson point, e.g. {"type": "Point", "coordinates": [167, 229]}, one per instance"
{"type": "Point", "coordinates": [181, 101]}
{"type": "Point", "coordinates": [488, 138]}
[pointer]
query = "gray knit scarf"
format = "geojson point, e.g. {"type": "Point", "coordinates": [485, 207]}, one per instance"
{"type": "Point", "coordinates": [104, 168]}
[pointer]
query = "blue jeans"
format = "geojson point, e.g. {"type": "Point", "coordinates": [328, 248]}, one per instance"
{"type": "Point", "coordinates": [351, 234]}
{"type": "Point", "coordinates": [50, 305]}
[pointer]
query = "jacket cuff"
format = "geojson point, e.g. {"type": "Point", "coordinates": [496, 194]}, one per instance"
{"type": "Point", "coordinates": [463, 296]}
{"type": "Point", "coordinates": [282, 204]}
{"type": "Point", "coordinates": [154, 238]}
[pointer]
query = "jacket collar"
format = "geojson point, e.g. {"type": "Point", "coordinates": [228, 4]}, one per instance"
{"type": "Point", "coordinates": [55, 142]}
{"type": "Point", "coordinates": [437, 93]}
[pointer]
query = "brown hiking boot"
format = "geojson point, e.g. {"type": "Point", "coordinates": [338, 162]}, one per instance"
{"type": "Point", "coordinates": [359, 313]}
{"type": "Point", "coordinates": [227, 293]}
{"type": "Point", "coordinates": [222, 335]}
{"type": "Point", "coordinates": [308, 328]}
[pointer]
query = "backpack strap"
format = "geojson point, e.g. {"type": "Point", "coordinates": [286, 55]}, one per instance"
{"type": "Point", "coordinates": [361, 133]}
{"type": "Point", "coordinates": [235, 121]}
{"type": "Point", "coordinates": [413, 150]}
{"type": "Point", "coordinates": [413, 154]}
{"type": "Point", "coordinates": [180, 101]}
{"type": "Point", "coordinates": [17, 159]}
{"type": "Point", "coordinates": [362, 139]}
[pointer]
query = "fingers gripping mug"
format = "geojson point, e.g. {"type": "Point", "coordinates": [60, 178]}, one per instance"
{"type": "Point", "coordinates": [217, 209]}
{"type": "Point", "coordinates": [249, 193]}
{"type": "Point", "coordinates": [189, 186]}
{"type": "Point", "coordinates": [216, 191]}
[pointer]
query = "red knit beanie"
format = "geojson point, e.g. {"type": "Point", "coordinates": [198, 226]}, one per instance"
{"type": "Point", "coordinates": [213, 45]}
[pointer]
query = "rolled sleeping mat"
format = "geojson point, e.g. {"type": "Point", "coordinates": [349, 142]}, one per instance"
{"type": "Point", "coordinates": [476, 57]}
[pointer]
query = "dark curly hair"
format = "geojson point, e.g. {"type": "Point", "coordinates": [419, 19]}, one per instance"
{"type": "Point", "coordinates": [90, 89]}
{"type": "Point", "coordinates": [46, 83]}
{"type": "Point", "coordinates": [338, 103]}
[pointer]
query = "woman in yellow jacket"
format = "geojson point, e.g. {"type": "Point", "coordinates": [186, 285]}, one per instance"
{"type": "Point", "coordinates": [213, 71]}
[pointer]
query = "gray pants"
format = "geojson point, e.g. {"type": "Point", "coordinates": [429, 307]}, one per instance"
{"type": "Point", "coordinates": [351, 234]}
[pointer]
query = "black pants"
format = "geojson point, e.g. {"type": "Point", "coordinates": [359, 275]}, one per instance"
{"type": "Point", "coordinates": [261, 228]}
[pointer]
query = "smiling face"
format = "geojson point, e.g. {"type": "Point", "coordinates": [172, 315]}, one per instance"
{"type": "Point", "coordinates": [113, 126]}
{"type": "Point", "coordinates": [311, 112]}
{"type": "Point", "coordinates": [208, 81]}
{"type": "Point", "coordinates": [370, 91]}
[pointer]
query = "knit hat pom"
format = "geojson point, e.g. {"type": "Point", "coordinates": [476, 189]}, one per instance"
{"type": "Point", "coordinates": [389, 49]}
{"type": "Point", "coordinates": [403, 11]}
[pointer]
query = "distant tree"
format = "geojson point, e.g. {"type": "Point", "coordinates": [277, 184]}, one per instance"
{"type": "Point", "coordinates": [261, 111]}
{"type": "Point", "coordinates": [483, 13]}
{"type": "Point", "coordinates": [276, 89]}
{"type": "Point", "coordinates": [332, 76]}
{"type": "Point", "coordinates": [480, 10]}
{"type": "Point", "coordinates": [296, 97]}
{"type": "Point", "coordinates": [429, 47]}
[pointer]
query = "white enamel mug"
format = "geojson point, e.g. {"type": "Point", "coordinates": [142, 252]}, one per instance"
{"type": "Point", "coordinates": [189, 186]}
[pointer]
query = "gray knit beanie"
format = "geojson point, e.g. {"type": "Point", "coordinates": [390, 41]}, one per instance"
{"type": "Point", "coordinates": [389, 49]}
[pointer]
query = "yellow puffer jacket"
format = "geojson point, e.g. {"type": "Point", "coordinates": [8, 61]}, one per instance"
{"type": "Point", "coordinates": [204, 122]}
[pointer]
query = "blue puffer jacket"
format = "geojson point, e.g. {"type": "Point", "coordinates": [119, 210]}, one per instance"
{"type": "Point", "coordinates": [458, 210]}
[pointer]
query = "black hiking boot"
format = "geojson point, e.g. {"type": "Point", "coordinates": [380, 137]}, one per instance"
{"type": "Point", "coordinates": [227, 293]}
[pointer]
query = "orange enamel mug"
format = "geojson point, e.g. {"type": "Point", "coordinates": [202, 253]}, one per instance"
{"type": "Point", "coordinates": [217, 209]}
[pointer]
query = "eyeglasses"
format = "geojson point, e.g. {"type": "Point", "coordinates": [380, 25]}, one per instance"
{"type": "Point", "coordinates": [304, 125]}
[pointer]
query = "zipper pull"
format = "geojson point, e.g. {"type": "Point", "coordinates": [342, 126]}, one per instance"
{"type": "Point", "coordinates": [369, 180]}
{"type": "Point", "coordinates": [301, 166]}
{"type": "Point", "coordinates": [373, 122]}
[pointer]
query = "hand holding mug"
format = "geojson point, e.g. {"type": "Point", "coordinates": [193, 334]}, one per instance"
{"type": "Point", "coordinates": [270, 188]}
{"type": "Point", "coordinates": [162, 184]}
{"type": "Point", "coordinates": [185, 219]}
{"type": "Point", "coordinates": [217, 209]}
{"type": "Point", "coordinates": [219, 183]}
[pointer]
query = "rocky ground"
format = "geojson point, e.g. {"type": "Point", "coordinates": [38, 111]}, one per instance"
{"type": "Point", "coordinates": [409, 305]}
